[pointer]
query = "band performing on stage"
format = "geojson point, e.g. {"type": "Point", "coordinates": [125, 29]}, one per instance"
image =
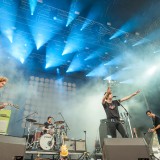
{"type": "Point", "coordinates": [51, 135]}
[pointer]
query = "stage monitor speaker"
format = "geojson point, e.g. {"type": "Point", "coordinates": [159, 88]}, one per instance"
{"type": "Point", "coordinates": [125, 149]}
{"type": "Point", "coordinates": [12, 148]}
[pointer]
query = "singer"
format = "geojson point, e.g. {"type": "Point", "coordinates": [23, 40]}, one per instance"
{"type": "Point", "coordinates": [3, 81]}
{"type": "Point", "coordinates": [111, 108]}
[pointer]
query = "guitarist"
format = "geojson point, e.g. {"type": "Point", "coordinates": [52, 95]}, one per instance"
{"type": "Point", "coordinates": [3, 81]}
{"type": "Point", "coordinates": [156, 123]}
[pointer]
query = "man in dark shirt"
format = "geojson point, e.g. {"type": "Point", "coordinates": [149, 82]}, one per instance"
{"type": "Point", "coordinates": [156, 123]}
{"type": "Point", "coordinates": [111, 109]}
{"type": "Point", "coordinates": [48, 125]}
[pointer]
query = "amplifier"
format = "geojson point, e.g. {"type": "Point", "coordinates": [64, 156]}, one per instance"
{"type": "Point", "coordinates": [80, 145]}
{"type": "Point", "coordinates": [71, 144]}
{"type": "Point", "coordinates": [75, 145]}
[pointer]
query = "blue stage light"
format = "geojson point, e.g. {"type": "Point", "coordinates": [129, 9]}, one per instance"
{"type": "Point", "coordinates": [77, 64]}
{"type": "Point", "coordinates": [73, 44]}
{"type": "Point", "coordinates": [93, 14]}
{"type": "Point", "coordinates": [128, 81]}
{"type": "Point", "coordinates": [115, 61]}
{"type": "Point", "coordinates": [21, 47]}
{"type": "Point", "coordinates": [75, 10]}
{"type": "Point", "coordinates": [97, 53]}
{"type": "Point", "coordinates": [99, 71]}
{"type": "Point", "coordinates": [7, 21]}
{"type": "Point", "coordinates": [42, 32]}
{"type": "Point", "coordinates": [54, 56]}
{"type": "Point", "coordinates": [33, 4]}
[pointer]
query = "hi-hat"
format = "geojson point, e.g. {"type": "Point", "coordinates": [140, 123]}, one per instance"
{"type": "Point", "coordinates": [31, 120]}
{"type": "Point", "coordinates": [58, 122]}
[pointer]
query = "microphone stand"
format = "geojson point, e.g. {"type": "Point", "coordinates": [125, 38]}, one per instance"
{"type": "Point", "coordinates": [85, 154]}
{"type": "Point", "coordinates": [26, 121]}
{"type": "Point", "coordinates": [128, 118]}
{"type": "Point", "coordinates": [67, 127]}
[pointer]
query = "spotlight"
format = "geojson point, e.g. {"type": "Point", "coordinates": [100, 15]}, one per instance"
{"type": "Point", "coordinates": [22, 60]}
{"type": "Point", "coordinates": [55, 18]}
{"type": "Point", "coordinates": [77, 12]}
{"type": "Point", "coordinates": [109, 23]}
{"type": "Point", "coordinates": [151, 70]}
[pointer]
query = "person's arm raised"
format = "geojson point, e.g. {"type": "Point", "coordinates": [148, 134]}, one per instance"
{"type": "Point", "coordinates": [130, 96]}
{"type": "Point", "coordinates": [106, 94]}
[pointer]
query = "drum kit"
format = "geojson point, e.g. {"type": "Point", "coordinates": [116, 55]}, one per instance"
{"type": "Point", "coordinates": [51, 140]}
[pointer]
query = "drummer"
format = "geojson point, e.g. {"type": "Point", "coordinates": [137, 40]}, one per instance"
{"type": "Point", "coordinates": [48, 125]}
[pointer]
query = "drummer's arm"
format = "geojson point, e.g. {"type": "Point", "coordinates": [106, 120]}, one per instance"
{"type": "Point", "coordinates": [44, 129]}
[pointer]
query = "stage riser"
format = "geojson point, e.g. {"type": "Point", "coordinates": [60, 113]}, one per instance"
{"type": "Point", "coordinates": [125, 149]}
{"type": "Point", "coordinates": [10, 147]}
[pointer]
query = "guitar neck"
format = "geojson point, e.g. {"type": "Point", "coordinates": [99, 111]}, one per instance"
{"type": "Point", "coordinates": [9, 104]}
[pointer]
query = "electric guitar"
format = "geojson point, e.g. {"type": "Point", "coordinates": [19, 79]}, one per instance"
{"type": "Point", "coordinates": [63, 149]}
{"type": "Point", "coordinates": [4, 104]}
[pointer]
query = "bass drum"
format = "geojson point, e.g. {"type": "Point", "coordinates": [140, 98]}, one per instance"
{"type": "Point", "coordinates": [47, 142]}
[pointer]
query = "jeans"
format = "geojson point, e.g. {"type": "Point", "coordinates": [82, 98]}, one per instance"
{"type": "Point", "coordinates": [113, 126]}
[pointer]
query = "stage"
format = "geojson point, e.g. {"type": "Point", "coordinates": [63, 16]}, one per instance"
{"type": "Point", "coordinates": [31, 155]}
{"type": "Point", "coordinates": [124, 147]}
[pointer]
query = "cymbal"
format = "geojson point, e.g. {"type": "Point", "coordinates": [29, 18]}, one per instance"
{"type": "Point", "coordinates": [38, 124]}
{"type": "Point", "coordinates": [58, 122]}
{"type": "Point", "coordinates": [31, 120]}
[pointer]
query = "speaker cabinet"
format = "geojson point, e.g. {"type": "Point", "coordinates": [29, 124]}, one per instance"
{"type": "Point", "coordinates": [71, 144]}
{"type": "Point", "coordinates": [80, 146]}
{"type": "Point", "coordinates": [125, 149]}
{"type": "Point", "coordinates": [12, 148]}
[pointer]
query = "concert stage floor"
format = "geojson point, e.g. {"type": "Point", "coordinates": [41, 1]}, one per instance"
{"type": "Point", "coordinates": [51, 155]}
